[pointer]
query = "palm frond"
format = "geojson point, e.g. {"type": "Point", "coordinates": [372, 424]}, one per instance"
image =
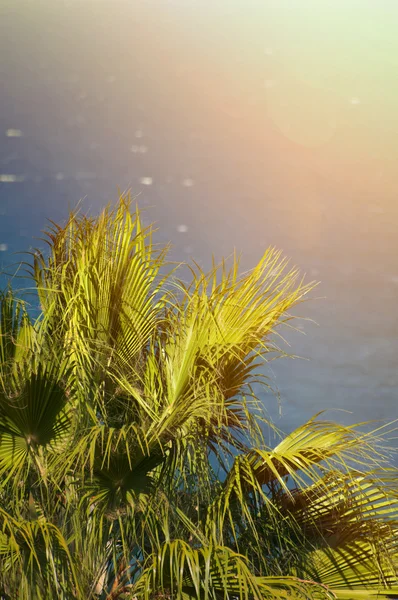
{"type": "Point", "coordinates": [182, 572]}
{"type": "Point", "coordinates": [133, 461]}
{"type": "Point", "coordinates": [34, 415]}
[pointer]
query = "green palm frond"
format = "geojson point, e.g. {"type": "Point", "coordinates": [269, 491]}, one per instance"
{"type": "Point", "coordinates": [36, 553]}
{"type": "Point", "coordinates": [100, 282]}
{"type": "Point", "coordinates": [34, 416]}
{"type": "Point", "coordinates": [114, 465]}
{"type": "Point", "coordinates": [366, 594]}
{"type": "Point", "coordinates": [339, 503]}
{"type": "Point", "coordinates": [352, 521]}
{"type": "Point", "coordinates": [16, 334]}
{"type": "Point", "coordinates": [182, 572]}
{"type": "Point", "coordinates": [304, 455]}
{"type": "Point", "coordinates": [222, 321]}
{"type": "Point", "coordinates": [133, 461]}
{"type": "Point", "coordinates": [359, 564]}
{"type": "Point", "coordinates": [335, 508]}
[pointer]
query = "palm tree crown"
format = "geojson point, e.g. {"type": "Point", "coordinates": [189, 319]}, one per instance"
{"type": "Point", "coordinates": [133, 461]}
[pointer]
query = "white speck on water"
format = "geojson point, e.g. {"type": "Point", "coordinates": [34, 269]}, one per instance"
{"type": "Point", "coordinates": [3, 247]}
{"type": "Point", "coordinates": [268, 51]}
{"type": "Point", "coordinates": [139, 149]}
{"type": "Point", "coordinates": [354, 101]}
{"type": "Point", "coordinates": [139, 133]}
{"type": "Point", "coordinates": [14, 133]}
{"type": "Point", "coordinates": [182, 228]}
{"type": "Point", "coordinates": [187, 182]}
{"type": "Point", "coordinates": [60, 176]}
{"type": "Point", "coordinates": [146, 180]}
{"type": "Point", "coordinates": [5, 178]}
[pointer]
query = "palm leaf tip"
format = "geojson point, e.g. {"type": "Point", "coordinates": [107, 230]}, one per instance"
{"type": "Point", "coordinates": [132, 454]}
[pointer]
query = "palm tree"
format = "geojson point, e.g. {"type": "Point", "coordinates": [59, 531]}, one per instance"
{"type": "Point", "coordinates": [133, 461]}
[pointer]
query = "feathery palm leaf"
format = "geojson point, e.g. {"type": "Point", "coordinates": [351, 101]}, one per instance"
{"type": "Point", "coordinates": [132, 455]}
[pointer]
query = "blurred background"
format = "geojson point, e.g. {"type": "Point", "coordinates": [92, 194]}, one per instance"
{"type": "Point", "coordinates": [239, 124]}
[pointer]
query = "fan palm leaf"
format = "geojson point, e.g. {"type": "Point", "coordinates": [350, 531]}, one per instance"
{"type": "Point", "coordinates": [132, 455]}
{"type": "Point", "coordinates": [34, 415]}
{"type": "Point", "coordinates": [182, 572]}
